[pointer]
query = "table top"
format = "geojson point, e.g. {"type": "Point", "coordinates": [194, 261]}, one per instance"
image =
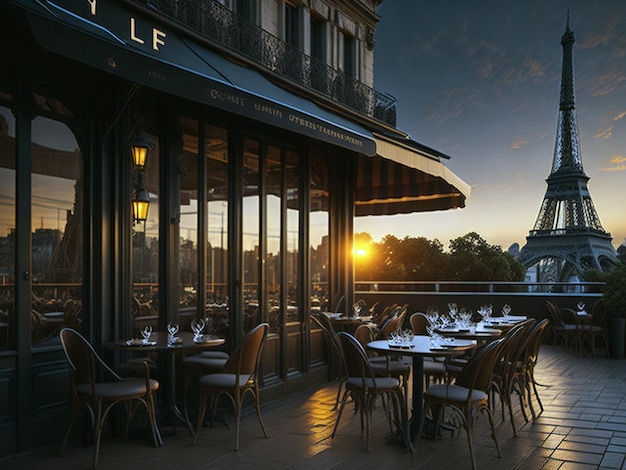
{"type": "Point", "coordinates": [471, 333]}
{"type": "Point", "coordinates": [420, 346]}
{"type": "Point", "coordinates": [158, 342]}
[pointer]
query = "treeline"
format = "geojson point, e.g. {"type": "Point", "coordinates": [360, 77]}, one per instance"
{"type": "Point", "coordinates": [468, 258]}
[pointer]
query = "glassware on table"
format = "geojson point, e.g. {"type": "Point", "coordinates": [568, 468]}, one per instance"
{"type": "Point", "coordinates": [146, 332]}
{"type": "Point", "coordinates": [465, 318]}
{"type": "Point", "coordinates": [506, 309]}
{"type": "Point", "coordinates": [432, 315]}
{"type": "Point", "coordinates": [172, 329]}
{"type": "Point", "coordinates": [358, 306]}
{"type": "Point", "coordinates": [197, 326]}
{"type": "Point", "coordinates": [485, 313]}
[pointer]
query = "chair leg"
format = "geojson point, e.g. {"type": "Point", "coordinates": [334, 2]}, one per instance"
{"type": "Point", "coordinates": [257, 403]}
{"type": "Point", "coordinates": [202, 399]}
{"type": "Point", "coordinates": [70, 426]}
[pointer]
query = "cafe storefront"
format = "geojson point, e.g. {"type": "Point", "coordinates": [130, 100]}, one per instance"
{"type": "Point", "coordinates": [146, 178]}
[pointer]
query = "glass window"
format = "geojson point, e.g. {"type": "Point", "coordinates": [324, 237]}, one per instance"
{"type": "Point", "coordinates": [348, 55]}
{"type": "Point", "coordinates": [7, 223]}
{"type": "Point", "coordinates": [318, 42]}
{"type": "Point", "coordinates": [292, 261]}
{"type": "Point", "coordinates": [292, 27]}
{"type": "Point", "coordinates": [56, 221]}
{"type": "Point", "coordinates": [145, 255]}
{"type": "Point", "coordinates": [319, 231]}
{"type": "Point", "coordinates": [273, 261]}
{"type": "Point", "coordinates": [250, 235]}
{"type": "Point", "coordinates": [188, 228]}
{"type": "Point", "coordinates": [216, 155]}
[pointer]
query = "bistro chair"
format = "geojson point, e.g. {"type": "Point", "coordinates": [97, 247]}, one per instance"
{"type": "Point", "coordinates": [434, 368]}
{"type": "Point", "coordinates": [100, 397]}
{"type": "Point", "coordinates": [528, 361]}
{"type": "Point", "coordinates": [195, 366]}
{"type": "Point", "coordinates": [239, 377]}
{"type": "Point", "coordinates": [388, 365]}
{"type": "Point", "coordinates": [365, 388]}
{"type": "Point", "coordinates": [596, 329]}
{"type": "Point", "coordinates": [565, 332]}
{"type": "Point", "coordinates": [336, 352]}
{"type": "Point", "coordinates": [505, 378]}
{"type": "Point", "coordinates": [467, 396]}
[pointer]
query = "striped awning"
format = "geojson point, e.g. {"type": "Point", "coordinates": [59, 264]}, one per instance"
{"type": "Point", "coordinates": [403, 178]}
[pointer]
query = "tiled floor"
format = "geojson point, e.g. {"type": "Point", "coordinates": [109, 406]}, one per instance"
{"type": "Point", "coordinates": [583, 427]}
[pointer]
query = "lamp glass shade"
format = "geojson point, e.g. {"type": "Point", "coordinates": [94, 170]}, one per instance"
{"type": "Point", "coordinates": [139, 151]}
{"type": "Point", "coordinates": [141, 202]}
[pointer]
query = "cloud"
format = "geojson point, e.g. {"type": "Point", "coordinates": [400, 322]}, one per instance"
{"type": "Point", "coordinates": [604, 133]}
{"type": "Point", "coordinates": [617, 162]}
{"type": "Point", "coordinates": [602, 37]}
{"type": "Point", "coordinates": [518, 144]}
{"type": "Point", "coordinates": [607, 83]}
{"type": "Point", "coordinates": [615, 116]}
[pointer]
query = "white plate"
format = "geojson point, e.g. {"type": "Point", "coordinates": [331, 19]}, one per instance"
{"type": "Point", "coordinates": [139, 342]}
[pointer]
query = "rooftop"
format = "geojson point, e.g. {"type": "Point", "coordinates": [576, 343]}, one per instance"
{"type": "Point", "coordinates": [583, 427]}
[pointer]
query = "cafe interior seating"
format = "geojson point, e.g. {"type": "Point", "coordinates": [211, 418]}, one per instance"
{"type": "Point", "coordinates": [238, 378]}
{"type": "Point", "coordinates": [98, 396]}
{"type": "Point", "coordinates": [365, 388]}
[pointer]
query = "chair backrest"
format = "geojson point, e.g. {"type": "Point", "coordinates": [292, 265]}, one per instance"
{"type": "Point", "coordinates": [598, 314]}
{"type": "Point", "coordinates": [246, 357]}
{"type": "Point", "coordinates": [393, 324]}
{"type": "Point", "coordinates": [477, 373]}
{"type": "Point", "coordinates": [357, 363]}
{"type": "Point", "coordinates": [555, 314]}
{"type": "Point", "coordinates": [85, 363]}
{"type": "Point", "coordinates": [419, 322]}
{"type": "Point", "coordinates": [364, 335]}
{"type": "Point", "coordinates": [535, 338]}
{"type": "Point", "coordinates": [331, 335]}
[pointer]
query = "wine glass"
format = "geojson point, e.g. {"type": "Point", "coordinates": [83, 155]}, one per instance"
{"type": "Point", "coordinates": [506, 309]}
{"type": "Point", "coordinates": [197, 325]}
{"type": "Point", "coordinates": [172, 329]}
{"type": "Point", "coordinates": [146, 332]}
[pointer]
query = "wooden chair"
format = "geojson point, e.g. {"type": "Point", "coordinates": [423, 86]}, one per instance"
{"type": "Point", "coordinates": [365, 388]}
{"type": "Point", "coordinates": [564, 332]}
{"type": "Point", "coordinates": [239, 377]}
{"type": "Point", "coordinates": [100, 397]}
{"type": "Point", "coordinates": [468, 396]}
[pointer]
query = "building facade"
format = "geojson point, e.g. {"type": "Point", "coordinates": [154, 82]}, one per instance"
{"type": "Point", "coordinates": [263, 138]}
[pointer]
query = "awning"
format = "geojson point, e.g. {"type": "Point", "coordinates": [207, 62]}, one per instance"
{"type": "Point", "coordinates": [109, 36]}
{"type": "Point", "coordinates": [402, 178]}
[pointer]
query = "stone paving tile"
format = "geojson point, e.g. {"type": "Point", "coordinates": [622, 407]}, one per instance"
{"type": "Point", "coordinates": [583, 427]}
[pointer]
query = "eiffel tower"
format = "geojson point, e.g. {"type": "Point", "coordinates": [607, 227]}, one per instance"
{"type": "Point", "coordinates": [567, 238]}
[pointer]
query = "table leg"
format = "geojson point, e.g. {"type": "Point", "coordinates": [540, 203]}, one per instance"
{"type": "Point", "coordinates": [417, 396]}
{"type": "Point", "coordinates": [171, 414]}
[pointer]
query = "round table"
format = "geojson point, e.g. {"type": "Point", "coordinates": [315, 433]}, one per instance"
{"type": "Point", "coordinates": [158, 343]}
{"type": "Point", "coordinates": [418, 350]}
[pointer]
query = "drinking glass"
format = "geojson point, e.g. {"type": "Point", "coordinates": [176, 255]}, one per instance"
{"type": "Point", "coordinates": [197, 325]}
{"type": "Point", "coordinates": [146, 332]}
{"type": "Point", "coordinates": [172, 329]}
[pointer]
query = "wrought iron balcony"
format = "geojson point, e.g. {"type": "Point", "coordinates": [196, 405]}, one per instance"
{"type": "Point", "coordinates": [217, 23]}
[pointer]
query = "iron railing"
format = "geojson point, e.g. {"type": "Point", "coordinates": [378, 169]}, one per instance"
{"type": "Point", "coordinates": [212, 20]}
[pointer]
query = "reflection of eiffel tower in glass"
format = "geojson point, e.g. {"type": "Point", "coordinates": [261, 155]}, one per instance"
{"type": "Point", "coordinates": [567, 238]}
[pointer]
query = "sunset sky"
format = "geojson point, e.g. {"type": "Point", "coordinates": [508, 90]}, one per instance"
{"type": "Point", "coordinates": [480, 81]}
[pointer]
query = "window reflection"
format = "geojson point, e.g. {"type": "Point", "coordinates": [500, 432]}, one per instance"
{"type": "Point", "coordinates": [7, 223]}
{"type": "Point", "coordinates": [250, 228]}
{"type": "Point", "coordinates": [145, 255]}
{"type": "Point", "coordinates": [56, 221]}
{"type": "Point", "coordinates": [273, 260]}
{"type": "Point", "coordinates": [319, 231]}
{"type": "Point", "coordinates": [216, 155]}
